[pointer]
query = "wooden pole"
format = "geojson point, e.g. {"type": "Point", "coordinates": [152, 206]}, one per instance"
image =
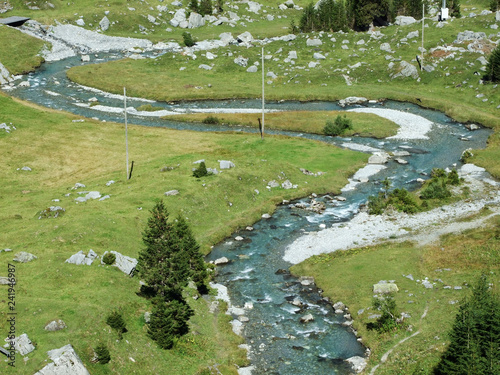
{"type": "Point", "coordinates": [423, 18]}
{"type": "Point", "coordinates": [262, 132]}
{"type": "Point", "coordinates": [126, 128]}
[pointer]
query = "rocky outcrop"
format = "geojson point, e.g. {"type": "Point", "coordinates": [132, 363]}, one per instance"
{"type": "Point", "coordinates": [124, 263]}
{"type": "Point", "coordinates": [65, 362]}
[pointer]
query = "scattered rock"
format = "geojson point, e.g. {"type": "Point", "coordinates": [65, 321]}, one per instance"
{"type": "Point", "coordinates": [241, 61]}
{"type": "Point", "coordinates": [379, 158]}
{"type": "Point", "coordinates": [404, 20]}
{"type": "Point", "coordinates": [222, 260]}
{"type": "Point", "coordinates": [171, 192]}
{"type": "Point", "coordinates": [23, 344]}
{"type": "Point", "coordinates": [406, 70]}
{"type": "Point", "coordinates": [266, 216]}
{"type": "Point", "coordinates": [225, 164]}
{"type": "Point", "coordinates": [147, 316]}
{"type": "Point", "coordinates": [351, 100]}
{"type": "Point", "coordinates": [24, 257]}
{"type": "Point", "coordinates": [357, 363]}
{"type": "Point", "coordinates": [124, 263]}
{"type": "Point", "coordinates": [314, 42]}
{"type": "Point", "coordinates": [104, 23]}
{"type": "Point", "coordinates": [80, 258]}
{"type": "Point", "coordinates": [384, 288]}
{"type": "Point", "coordinates": [307, 318]}
{"type": "Point", "coordinates": [306, 280]}
{"type": "Point", "coordinates": [55, 325]}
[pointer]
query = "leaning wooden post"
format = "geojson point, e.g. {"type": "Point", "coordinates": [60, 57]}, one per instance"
{"type": "Point", "coordinates": [423, 18]}
{"type": "Point", "coordinates": [126, 128]}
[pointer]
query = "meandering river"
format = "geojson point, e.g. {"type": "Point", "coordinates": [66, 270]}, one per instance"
{"type": "Point", "coordinates": [255, 277]}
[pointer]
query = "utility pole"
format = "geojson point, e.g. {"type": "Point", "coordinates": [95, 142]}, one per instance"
{"type": "Point", "coordinates": [126, 128]}
{"type": "Point", "coordinates": [263, 102]}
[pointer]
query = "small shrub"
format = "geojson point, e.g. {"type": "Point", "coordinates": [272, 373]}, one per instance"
{"type": "Point", "coordinates": [212, 120]}
{"type": "Point", "coordinates": [388, 320]}
{"type": "Point", "coordinates": [102, 354]}
{"type": "Point", "coordinates": [376, 204]}
{"type": "Point", "coordinates": [453, 178]}
{"type": "Point", "coordinates": [466, 155]}
{"type": "Point", "coordinates": [115, 321]}
{"type": "Point", "coordinates": [201, 171]}
{"type": "Point", "coordinates": [436, 190]}
{"type": "Point", "coordinates": [403, 200]}
{"type": "Point", "coordinates": [437, 173]}
{"type": "Point", "coordinates": [339, 126]}
{"type": "Point", "coordinates": [188, 39]}
{"type": "Point", "coordinates": [109, 258]}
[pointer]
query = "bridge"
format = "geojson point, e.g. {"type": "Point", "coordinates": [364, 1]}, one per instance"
{"type": "Point", "coordinates": [14, 21]}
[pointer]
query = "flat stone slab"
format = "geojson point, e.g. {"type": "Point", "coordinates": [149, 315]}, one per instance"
{"type": "Point", "coordinates": [66, 362]}
{"type": "Point", "coordinates": [14, 21]}
{"type": "Point", "coordinates": [124, 263]}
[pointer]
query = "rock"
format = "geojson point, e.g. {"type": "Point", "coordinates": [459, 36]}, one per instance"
{"type": "Point", "coordinates": [93, 195]}
{"type": "Point", "coordinates": [55, 325]}
{"type": "Point", "coordinates": [386, 47]}
{"type": "Point", "coordinates": [252, 69]}
{"type": "Point", "coordinates": [85, 58]}
{"type": "Point", "coordinates": [306, 280]}
{"type": "Point", "coordinates": [469, 35]}
{"type": "Point", "coordinates": [239, 238]}
{"type": "Point", "coordinates": [195, 20]}
{"type": "Point", "coordinates": [23, 344]}
{"type": "Point", "coordinates": [404, 20]}
{"type": "Point", "coordinates": [210, 56]}
{"type": "Point", "coordinates": [292, 55]}
{"type": "Point", "coordinates": [104, 23]}
{"type": "Point", "coordinates": [246, 37]}
{"type": "Point", "coordinates": [225, 164]}
{"type": "Point", "coordinates": [147, 316]}
{"type": "Point", "coordinates": [314, 42]}
{"type": "Point", "coordinates": [357, 363]}
{"type": "Point", "coordinates": [266, 216]}
{"type": "Point", "coordinates": [406, 70]}
{"type": "Point", "coordinates": [273, 184]}
{"type": "Point", "coordinates": [413, 34]}
{"type": "Point", "coordinates": [472, 127]}
{"type": "Point", "coordinates": [179, 16]}
{"type": "Point", "coordinates": [4, 280]}
{"type": "Point", "coordinates": [65, 362]}
{"type": "Point", "coordinates": [427, 284]}
{"type": "Point", "coordinates": [80, 258]}
{"type": "Point", "coordinates": [287, 185]}
{"type": "Point", "coordinates": [205, 66]}
{"type": "Point", "coordinates": [124, 263]}
{"type": "Point", "coordinates": [401, 161]}
{"type": "Point", "coordinates": [384, 288]}
{"type": "Point", "coordinates": [428, 68]}
{"type": "Point", "coordinates": [351, 100]}
{"type": "Point", "coordinates": [80, 22]}
{"type": "Point", "coordinates": [171, 193]}
{"type": "Point", "coordinates": [307, 318]}
{"type": "Point", "coordinates": [24, 257]}
{"type": "Point", "coordinates": [253, 6]}
{"type": "Point", "coordinates": [318, 56]}
{"type": "Point", "coordinates": [497, 16]}
{"type": "Point", "coordinates": [379, 158]}
{"type": "Point", "coordinates": [226, 38]}
{"type": "Point", "coordinates": [241, 61]}
{"type": "Point", "coordinates": [339, 306]}
{"type": "Point", "coordinates": [222, 260]}
{"type": "Point", "coordinates": [26, 169]}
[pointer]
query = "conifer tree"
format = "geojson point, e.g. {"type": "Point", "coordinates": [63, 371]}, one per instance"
{"type": "Point", "coordinates": [169, 320]}
{"type": "Point", "coordinates": [161, 264]}
{"type": "Point", "coordinates": [187, 243]}
{"type": "Point", "coordinates": [475, 337]}
{"type": "Point", "coordinates": [494, 5]}
{"type": "Point", "coordinates": [493, 67]}
{"type": "Point", "coordinates": [205, 7]}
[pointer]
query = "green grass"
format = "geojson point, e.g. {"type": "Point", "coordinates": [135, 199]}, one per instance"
{"type": "Point", "coordinates": [61, 153]}
{"type": "Point", "coordinates": [364, 125]}
{"type": "Point", "coordinates": [348, 276]}
{"type": "Point", "coordinates": [20, 54]}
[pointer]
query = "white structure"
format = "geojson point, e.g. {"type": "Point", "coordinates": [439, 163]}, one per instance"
{"type": "Point", "coordinates": [444, 14]}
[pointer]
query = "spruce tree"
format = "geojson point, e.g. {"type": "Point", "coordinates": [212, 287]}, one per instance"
{"type": "Point", "coordinates": [187, 243]}
{"type": "Point", "coordinates": [169, 320]}
{"type": "Point", "coordinates": [307, 21]}
{"type": "Point", "coordinates": [494, 5]}
{"type": "Point", "coordinates": [205, 7]}
{"type": "Point", "coordinates": [493, 67]}
{"type": "Point", "coordinates": [161, 264]}
{"type": "Point", "coordinates": [475, 337]}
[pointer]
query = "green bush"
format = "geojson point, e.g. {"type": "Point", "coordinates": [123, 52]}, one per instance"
{"type": "Point", "coordinates": [493, 67]}
{"type": "Point", "coordinates": [102, 354]}
{"type": "Point", "coordinates": [201, 171]}
{"type": "Point", "coordinates": [403, 200]}
{"type": "Point", "coordinates": [388, 321]}
{"type": "Point", "coordinates": [436, 190]}
{"type": "Point", "coordinates": [212, 120]}
{"type": "Point", "coordinates": [376, 204]}
{"type": "Point", "coordinates": [339, 126]}
{"type": "Point", "coordinates": [115, 321]}
{"type": "Point", "coordinates": [453, 178]}
{"type": "Point", "coordinates": [109, 258]}
{"type": "Point", "coordinates": [188, 39]}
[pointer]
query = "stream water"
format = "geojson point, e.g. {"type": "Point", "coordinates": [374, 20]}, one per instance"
{"type": "Point", "coordinates": [279, 342]}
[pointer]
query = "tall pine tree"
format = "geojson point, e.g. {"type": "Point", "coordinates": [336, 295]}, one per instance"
{"type": "Point", "coordinates": [493, 67]}
{"type": "Point", "coordinates": [162, 264]}
{"type": "Point", "coordinates": [187, 243]}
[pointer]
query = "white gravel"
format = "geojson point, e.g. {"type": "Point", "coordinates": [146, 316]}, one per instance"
{"type": "Point", "coordinates": [410, 126]}
{"type": "Point", "coordinates": [365, 229]}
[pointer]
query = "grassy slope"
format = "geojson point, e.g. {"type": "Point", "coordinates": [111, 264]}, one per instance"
{"type": "Point", "coordinates": [19, 55]}
{"type": "Point", "coordinates": [348, 276]}
{"type": "Point", "coordinates": [61, 153]}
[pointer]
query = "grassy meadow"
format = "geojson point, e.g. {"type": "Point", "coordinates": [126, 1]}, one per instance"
{"type": "Point", "coordinates": [60, 153]}
{"type": "Point", "coordinates": [456, 261]}
{"type": "Point", "coordinates": [20, 54]}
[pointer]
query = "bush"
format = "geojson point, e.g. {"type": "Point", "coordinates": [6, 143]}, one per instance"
{"type": "Point", "coordinates": [201, 171]}
{"type": "Point", "coordinates": [493, 67]}
{"type": "Point", "coordinates": [115, 321]}
{"type": "Point", "coordinates": [102, 354]}
{"type": "Point", "coordinates": [109, 258]}
{"type": "Point", "coordinates": [212, 120]}
{"type": "Point", "coordinates": [339, 126]}
{"type": "Point", "coordinates": [388, 321]}
{"type": "Point", "coordinates": [403, 200]}
{"type": "Point", "coordinates": [436, 190]}
{"type": "Point", "coordinates": [188, 39]}
{"type": "Point", "coordinates": [453, 178]}
{"type": "Point", "coordinates": [376, 204]}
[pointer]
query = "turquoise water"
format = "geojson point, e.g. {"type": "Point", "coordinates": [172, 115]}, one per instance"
{"type": "Point", "coordinates": [280, 343]}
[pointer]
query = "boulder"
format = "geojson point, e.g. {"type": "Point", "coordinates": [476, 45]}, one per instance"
{"type": "Point", "coordinates": [171, 193]}
{"type": "Point", "coordinates": [195, 20]}
{"type": "Point", "coordinates": [226, 164]}
{"type": "Point", "coordinates": [306, 280]}
{"type": "Point", "coordinates": [80, 258]}
{"type": "Point", "coordinates": [23, 344]}
{"type": "Point", "coordinates": [4, 280]}
{"type": "Point", "coordinates": [314, 42]}
{"type": "Point", "coordinates": [55, 325]}
{"type": "Point", "coordinates": [179, 16]}
{"type": "Point", "coordinates": [307, 318]}
{"type": "Point", "coordinates": [93, 195]}
{"type": "Point", "coordinates": [254, 7]}
{"type": "Point", "coordinates": [104, 23]}
{"type": "Point", "coordinates": [222, 260]}
{"type": "Point", "coordinates": [273, 184]}
{"type": "Point", "coordinates": [292, 55]}
{"type": "Point", "coordinates": [379, 158]}
{"type": "Point", "coordinates": [80, 22]}
{"type": "Point", "coordinates": [351, 100]}
{"type": "Point", "coordinates": [357, 363]}
{"type": "Point", "coordinates": [65, 362]}
{"type": "Point", "coordinates": [406, 70]}
{"type": "Point", "coordinates": [246, 37]}
{"type": "Point", "coordinates": [404, 20]}
{"type": "Point", "coordinates": [385, 288]}
{"type": "Point", "coordinates": [5, 76]}
{"type": "Point", "coordinates": [124, 263]}
{"type": "Point", "coordinates": [252, 69]}
{"type": "Point", "coordinates": [205, 67]}
{"type": "Point", "coordinates": [24, 257]}
{"type": "Point", "coordinates": [497, 16]}
{"type": "Point", "coordinates": [318, 56]}
{"type": "Point", "coordinates": [287, 185]}
{"type": "Point", "coordinates": [386, 47]}
{"type": "Point", "coordinates": [226, 38]}
{"type": "Point", "coordinates": [241, 61]}
{"type": "Point", "coordinates": [413, 34]}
